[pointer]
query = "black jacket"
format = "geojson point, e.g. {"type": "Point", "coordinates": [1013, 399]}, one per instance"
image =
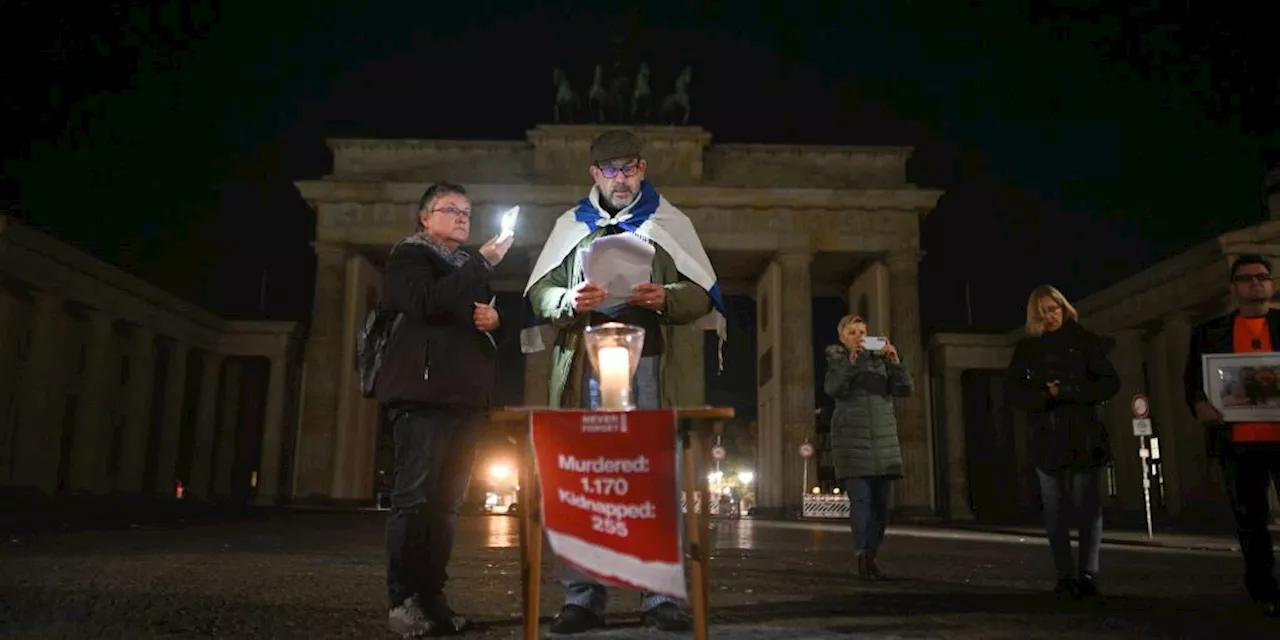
{"type": "Point", "coordinates": [1067, 431]}
{"type": "Point", "coordinates": [436, 356]}
{"type": "Point", "coordinates": [1216, 336]}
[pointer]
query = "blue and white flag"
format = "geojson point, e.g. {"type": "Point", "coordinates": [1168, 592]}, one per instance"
{"type": "Point", "coordinates": [651, 217]}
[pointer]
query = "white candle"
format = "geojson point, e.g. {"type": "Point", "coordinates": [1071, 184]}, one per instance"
{"type": "Point", "coordinates": [615, 378]}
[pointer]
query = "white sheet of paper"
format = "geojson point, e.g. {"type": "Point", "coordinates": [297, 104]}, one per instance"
{"type": "Point", "coordinates": [488, 335]}
{"type": "Point", "coordinates": [618, 263]}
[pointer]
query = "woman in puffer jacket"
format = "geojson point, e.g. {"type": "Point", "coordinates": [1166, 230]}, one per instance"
{"type": "Point", "coordinates": [863, 377]}
{"type": "Point", "coordinates": [1060, 376]}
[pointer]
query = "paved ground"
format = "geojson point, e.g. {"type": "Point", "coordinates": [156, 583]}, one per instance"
{"type": "Point", "coordinates": [1172, 540]}
{"type": "Point", "coordinates": [317, 575]}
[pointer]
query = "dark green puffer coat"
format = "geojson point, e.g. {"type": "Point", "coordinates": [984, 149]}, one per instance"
{"type": "Point", "coordinates": [864, 429]}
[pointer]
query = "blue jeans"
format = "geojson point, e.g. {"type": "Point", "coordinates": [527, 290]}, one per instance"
{"type": "Point", "coordinates": [869, 500]}
{"type": "Point", "coordinates": [1061, 493]}
{"type": "Point", "coordinates": [434, 450]}
{"type": "Point", "coordinates": [580, 589]}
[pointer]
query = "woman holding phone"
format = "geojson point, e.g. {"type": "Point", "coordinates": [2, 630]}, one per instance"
{"type": "Point", "coordinates": [864, 375]}
{"type": "Point", "coordinates": [1060, 376]}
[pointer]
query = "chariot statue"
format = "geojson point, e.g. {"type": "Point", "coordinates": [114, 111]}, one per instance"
{"type": "Point", "coordinates": [616, 100]}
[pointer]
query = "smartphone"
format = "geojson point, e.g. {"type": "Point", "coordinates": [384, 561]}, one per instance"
{"type": "Point", "coordinates": [874, 343]}
{"type": "Point", "coordinates": [509, 221]}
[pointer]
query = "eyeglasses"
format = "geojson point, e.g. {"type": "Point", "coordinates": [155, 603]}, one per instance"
{"type": "Point", "coordinates": [1252, 277]}
{"type": "Point", "coordinates": [457, 213]}
{"type": "Point", "coordinates": [612, 172]}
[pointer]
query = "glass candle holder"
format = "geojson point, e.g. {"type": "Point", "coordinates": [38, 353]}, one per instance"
{"type": "Point", "coordinates": [614, 350]}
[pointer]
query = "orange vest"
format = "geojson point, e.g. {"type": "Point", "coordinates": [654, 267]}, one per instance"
{"type": "Point", "coordinates": [1251, 335]}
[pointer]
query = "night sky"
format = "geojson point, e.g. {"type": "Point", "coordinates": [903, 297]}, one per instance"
{"type": "Point", "coordinates": [1077, 144]}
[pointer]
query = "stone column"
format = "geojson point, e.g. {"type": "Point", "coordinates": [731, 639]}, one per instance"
{"type": "Point", "coordinates": [43, 396]}
{"type": "Point", "coordinates": [1127, 360]}
{"type": "Point", "coordinates": [347, 434]}
{"type": "Point", "coordinates": [771, 479]}
{"type": "Point", "coordinates": [93, 418]}
{"type": "Point", "coordinates": [10, 394]}
{"type": "Point", "coordinates": [269, 491]}
{"type": "Point", "coordinates": [206, 425]}
{"type": "Point", "coordinates": [959, 505]}
{"type": "Point", "coordinates": [796, 366]}
{"type": "Point", "coordinates": [227, 432]}
{"type": "Point", "coordinates": [537, 372]}
{"type": "Point", "coordinates": [141, 386]}
{"type": "Point", "coordinates": [1183, 448]}
{"type": "Point", "coordinates": [175, 387]}
{"type": "Point", "coordinates": [323, 359]}
{"type": "Point", "coordinates": [1167, 353]}
{"type": "Point", "coordinates": [8, 334]}
{"type": "Point", "coordinates": [913, 493]}
{"type": "Point", "coordinates": [356, 432]}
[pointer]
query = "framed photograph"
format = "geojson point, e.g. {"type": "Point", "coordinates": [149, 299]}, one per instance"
{"type": "Point", "coordinates": [1245, 387]}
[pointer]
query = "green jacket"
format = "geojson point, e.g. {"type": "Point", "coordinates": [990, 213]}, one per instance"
{"type": "Point", "coordinates": [864, 428]}
{"type": "Point", "coordinates": [680, 368]}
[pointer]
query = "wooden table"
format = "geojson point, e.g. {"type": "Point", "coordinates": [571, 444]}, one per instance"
{"type": "Point", "coordinates": [696, 427]}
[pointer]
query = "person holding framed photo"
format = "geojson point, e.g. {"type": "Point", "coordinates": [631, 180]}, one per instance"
{"type": "Point", "coordinates": [1241, 431]}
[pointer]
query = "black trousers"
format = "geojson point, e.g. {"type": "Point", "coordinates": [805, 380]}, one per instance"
{"type": "Point", "coordinates": [1248, 475]}
{"type": "Point", "coordinates": [434, 447]}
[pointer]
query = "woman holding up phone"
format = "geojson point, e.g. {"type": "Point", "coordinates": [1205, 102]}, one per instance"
{"type": "Point", "coordinates": [864, 375]}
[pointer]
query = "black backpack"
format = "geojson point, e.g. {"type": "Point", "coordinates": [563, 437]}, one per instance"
{"type": "Point", "coordinates": [371, 345]}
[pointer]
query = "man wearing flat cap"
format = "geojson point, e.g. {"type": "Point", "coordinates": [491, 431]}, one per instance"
{"type": "Point", "coordinates": [681, 301]}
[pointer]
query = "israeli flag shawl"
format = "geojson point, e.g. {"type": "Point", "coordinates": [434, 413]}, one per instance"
{"type": "Point", "coordinates": [651, 217]}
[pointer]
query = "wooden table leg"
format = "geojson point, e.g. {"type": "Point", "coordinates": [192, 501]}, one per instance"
{"type": "Point", "coordinates": [704, 514]}
{"type": "Point", "coordinates": [529, 503]}
{"type": "Point", "coordinates": [695, 481]}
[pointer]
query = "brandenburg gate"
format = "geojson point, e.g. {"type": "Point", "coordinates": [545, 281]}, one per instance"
{"type": "Point", "coordinates": [781, 223]}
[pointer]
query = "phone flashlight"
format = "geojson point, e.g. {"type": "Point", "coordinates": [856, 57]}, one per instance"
{"type": "Point", "coordinates": [509, 220]}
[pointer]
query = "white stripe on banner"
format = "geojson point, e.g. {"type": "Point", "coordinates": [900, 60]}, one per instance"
{"type": "Point", "coordinates": [713, 508]}
{"type": "Point", "coordinates": [826, 507]}
{"type": "Point", "coordinates": [659, 577]}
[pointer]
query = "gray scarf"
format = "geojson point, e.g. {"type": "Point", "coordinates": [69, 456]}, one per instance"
{"type": "Point", "coordinates": [455, 257]}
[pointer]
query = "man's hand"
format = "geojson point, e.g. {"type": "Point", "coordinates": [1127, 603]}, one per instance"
{"type": "Point", "coordinates": [1207, 414]}
{"type": "Point", "coordinates": [496, 248]}
{"type": "Point", "coordinates": [586, 297]}
{"type": "Point", "coordinates": [649, 295]}
{"type": "Point", "coordinates": [485, 317]}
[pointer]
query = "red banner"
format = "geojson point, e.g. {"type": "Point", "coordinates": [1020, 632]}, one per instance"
{"type": "Point", "coordinates": [610, 495]}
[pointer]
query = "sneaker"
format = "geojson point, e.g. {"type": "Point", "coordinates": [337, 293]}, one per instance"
{"type": "Point", "coordinates": [667, 617]}
{"type": "Point", "coordinates": [444, 620]}
{"type": "Point", "coordinates": [408, 620]}
{"type": "Point", "coordinates": [574, 619]}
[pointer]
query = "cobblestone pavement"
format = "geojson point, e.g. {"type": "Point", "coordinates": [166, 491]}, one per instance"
{"type": "Point", "coordinates": [320, 575]}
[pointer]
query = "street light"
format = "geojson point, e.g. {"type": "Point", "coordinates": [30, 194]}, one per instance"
{"type": "Point", "coordinates": [745, 477]}
{"type": "Point", "coordinates": [715, 476]}
{"type": "Point", "coordinates": [499, 472]}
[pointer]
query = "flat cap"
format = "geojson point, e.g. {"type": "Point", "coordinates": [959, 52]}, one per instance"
{"type": "Point", "coordinates": [615, 144]}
